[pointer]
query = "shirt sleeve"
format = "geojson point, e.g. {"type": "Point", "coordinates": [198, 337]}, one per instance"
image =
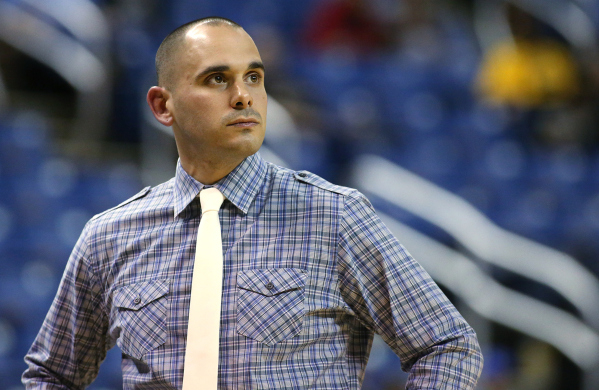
{"type": "Point", "coordinates": [395, 297]}
{"type": "Point", "coordinates": [71, 343]}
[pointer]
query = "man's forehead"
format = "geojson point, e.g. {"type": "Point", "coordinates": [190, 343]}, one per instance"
{"type": "Point", "coordinates": [197, 32]}
{"type": "Point", "coordinates": [208, 34]}
{"type": "Point", "coordinates": [220, 45]}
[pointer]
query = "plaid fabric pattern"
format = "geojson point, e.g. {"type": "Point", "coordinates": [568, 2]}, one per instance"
{"type": "Point", "coordinates": [310, 272]}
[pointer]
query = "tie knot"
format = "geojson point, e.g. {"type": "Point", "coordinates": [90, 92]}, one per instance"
{"type": "Point", "coordinates": [211, 199]}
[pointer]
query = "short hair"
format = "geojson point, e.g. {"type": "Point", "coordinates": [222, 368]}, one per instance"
{"type": "Point", "coordinates": [169, 46]}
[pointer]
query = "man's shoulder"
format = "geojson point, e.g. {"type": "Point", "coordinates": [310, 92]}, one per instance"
{"type": "Point", "coordinates": [306, 178]}
{"type": "Point", "coordinates": [352, 197]}
{"type": "Point", "coordinates": [142, 202]}
{"type": "Point", "coordinates": [317, 181]}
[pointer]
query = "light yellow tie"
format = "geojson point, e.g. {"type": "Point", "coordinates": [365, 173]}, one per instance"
{"type": "Point", "coordinates": [201, 353]}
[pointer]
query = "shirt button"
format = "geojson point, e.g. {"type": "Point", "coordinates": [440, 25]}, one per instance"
{"type": "Point", "coordinates": [137, 300]}
{"type": "Point", "coordinates": [270, 286]}
{"type": "Point", "coordinates": [303, 174]}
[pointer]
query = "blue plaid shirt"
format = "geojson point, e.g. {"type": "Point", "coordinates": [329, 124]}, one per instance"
{"type": "Point", "coordinates": [310, 273]}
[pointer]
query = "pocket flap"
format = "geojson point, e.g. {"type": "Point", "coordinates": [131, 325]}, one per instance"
{"type": "Point", "coordinates": [136, 296]}
{"type": "Point", "coordinates": [271, 281]}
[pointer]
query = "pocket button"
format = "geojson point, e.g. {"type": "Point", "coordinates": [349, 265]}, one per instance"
{"type": "Point", "coordinates": [270, 286]}
{"type": "Point", "coordinates": [137, 300]}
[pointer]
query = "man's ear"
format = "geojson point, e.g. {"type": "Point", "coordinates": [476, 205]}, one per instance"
{"type": "Point", "coordinates": [157, 98]}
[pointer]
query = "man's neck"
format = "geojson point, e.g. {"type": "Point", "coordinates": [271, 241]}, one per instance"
{"type": "Point", "coordinates": [211, 171]}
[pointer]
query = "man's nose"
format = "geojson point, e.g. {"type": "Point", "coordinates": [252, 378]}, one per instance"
{"type": "Point", "coordinates": [241, 96]}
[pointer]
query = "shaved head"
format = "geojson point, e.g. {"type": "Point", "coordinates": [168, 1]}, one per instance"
{"type": "Point", "coordinates": [166, 55]}
{"type": "Point", "coordinates": [212, 94]}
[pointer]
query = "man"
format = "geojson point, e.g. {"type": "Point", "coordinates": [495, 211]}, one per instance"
{"type": "Point", "coordinates": [309, 270]}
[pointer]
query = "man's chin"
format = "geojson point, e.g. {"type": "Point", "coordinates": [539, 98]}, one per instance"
{"type": "Point", "coordinates": [246, 149]}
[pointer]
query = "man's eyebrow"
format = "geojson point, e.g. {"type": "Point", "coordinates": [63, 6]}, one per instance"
{"type": "Point", "coordinates": [211, 69]}
{"type": "Point", "coordinates": [224, 68]}
{"type": "Point", "coordinates": [256, 65]}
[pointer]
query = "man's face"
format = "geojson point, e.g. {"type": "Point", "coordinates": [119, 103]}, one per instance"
{"type": "Point", "coordinates": [218, 101]}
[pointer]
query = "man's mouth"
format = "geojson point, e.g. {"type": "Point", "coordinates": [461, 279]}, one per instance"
{"type": "Point", "coordinates": [244, 122]}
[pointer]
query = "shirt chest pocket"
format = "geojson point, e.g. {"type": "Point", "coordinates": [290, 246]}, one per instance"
{"type": "Point", "coordinates": [270, 303]}
{"type": "Point", "coordinates": [141, 316]}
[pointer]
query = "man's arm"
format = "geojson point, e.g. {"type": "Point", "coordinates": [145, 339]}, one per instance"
{"type": "Point", "coordinates": [396, 298]}
{"type": "Point", "coordinates": [70, 346]}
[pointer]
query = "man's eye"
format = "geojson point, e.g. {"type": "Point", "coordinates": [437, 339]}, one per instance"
{"type": "Point", "coordinates": [216, 79]}
{"type": "Point", "coordinates": [254, 78]}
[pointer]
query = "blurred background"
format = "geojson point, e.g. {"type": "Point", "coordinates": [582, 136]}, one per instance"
{"type": "Point", "coordinates": [472, 125]}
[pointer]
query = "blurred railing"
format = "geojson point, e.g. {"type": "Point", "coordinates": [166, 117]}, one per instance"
{"type": "Point", "coordinates": [464, 278]}
{"type": "Point", "coordinates": [566, 16]}
{"type": "Point", "coordinates": [490, 244]}
{"type": "Point", "coordinates": [72, 38]}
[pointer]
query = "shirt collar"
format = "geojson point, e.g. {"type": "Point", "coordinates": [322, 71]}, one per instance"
{"type": "Point", "coordinates": [239, 187]}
